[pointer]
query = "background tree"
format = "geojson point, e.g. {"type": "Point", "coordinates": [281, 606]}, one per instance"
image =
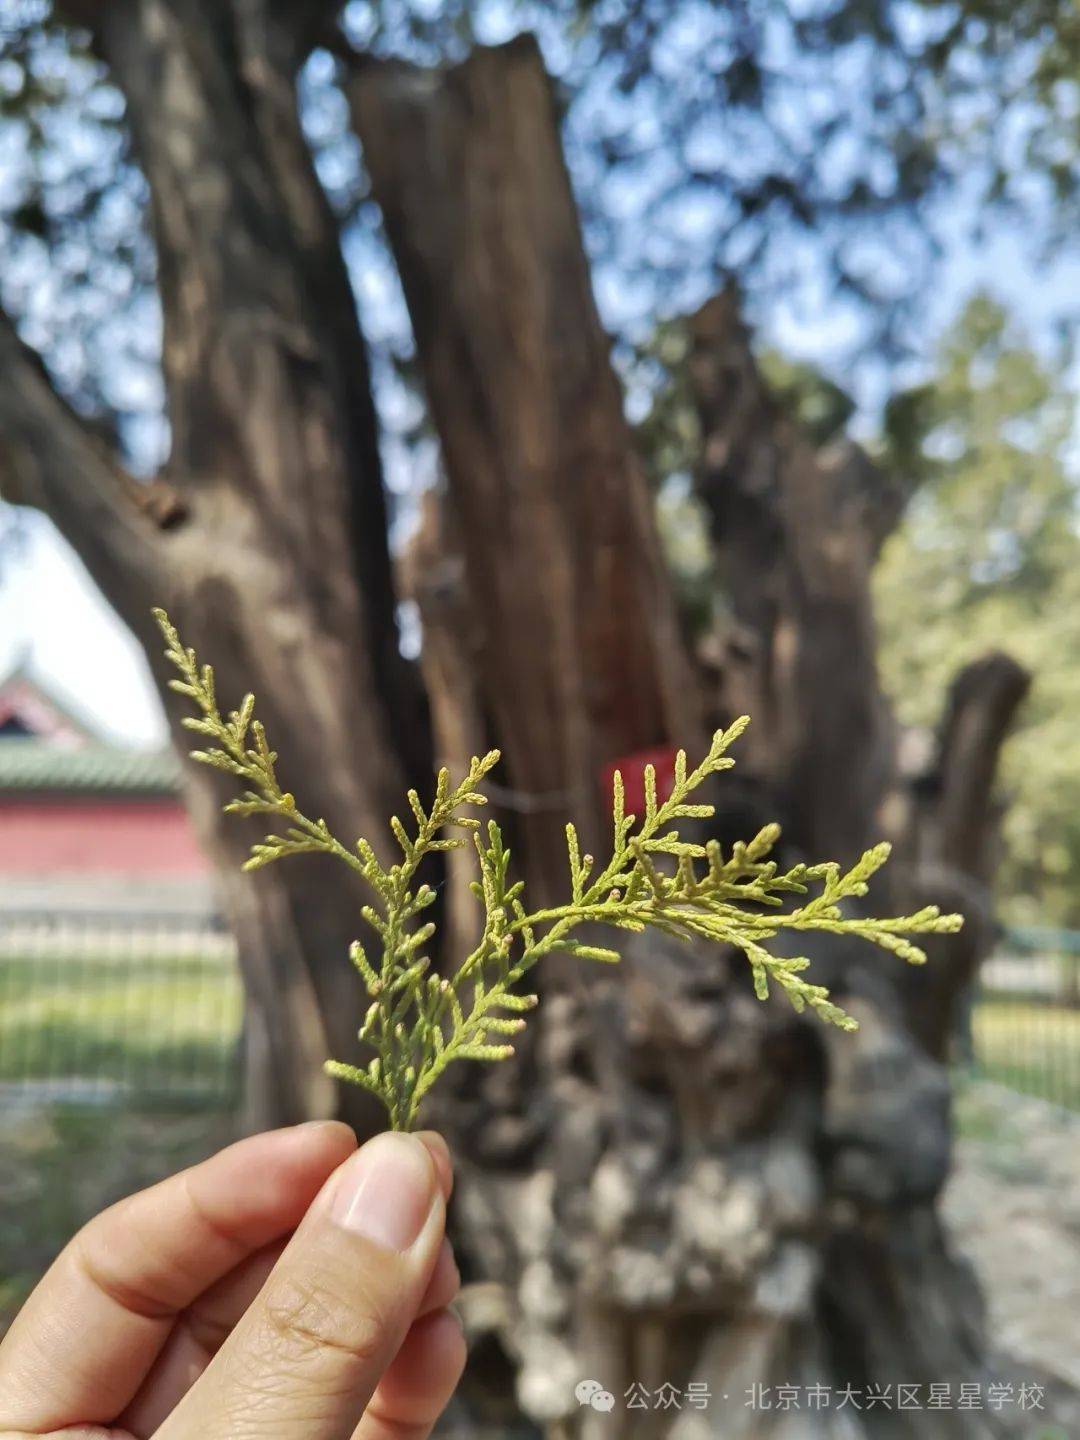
{"type": "Point", "coordinates": [265, 531]}
{"type": "Point", "coordinates": [987, 557]}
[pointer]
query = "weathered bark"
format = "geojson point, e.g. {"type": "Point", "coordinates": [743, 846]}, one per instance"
{"type": "Point", "coordinates": [432, 575]}
{"type": "Point", "coordinates": [580, 654]}
{"type": "Point", "coordinates": [694, 1189]}
{"type": "Point", "coordinates": [949, 841]}
{"type": "Point", "coordinates": [277, 570]}
{"type": "Point", "coordinates": [982, 704]}
{"type": "Point", "coordinates": [686, 1186]}
{"type": "Point", "coordinates": [50, 459]}
{"type": "Point", "coordinates": [796, 533]}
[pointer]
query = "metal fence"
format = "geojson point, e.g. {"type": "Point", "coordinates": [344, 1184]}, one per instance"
{"type": "Point", "coordinates": [139, 1009]}
{"type": "Point", "coordinates": [144, 1009]}
{"type": "Point", "coordinates": [1025, 1021]}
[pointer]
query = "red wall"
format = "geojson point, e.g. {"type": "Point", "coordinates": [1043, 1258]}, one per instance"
{"type": "Point", "coordinates": [129, 837]}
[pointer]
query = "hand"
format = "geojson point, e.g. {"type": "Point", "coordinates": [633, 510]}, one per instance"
{"type": "Point", "coordinates": [191, 1311]}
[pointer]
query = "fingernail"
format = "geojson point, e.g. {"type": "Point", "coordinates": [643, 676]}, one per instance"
{"type": "Point", "coordinates": [385, 1191]}
{"type": "Point", "coordinates": [329, 1127]}
{"type": "Point", "coordinates": [440, 1153]}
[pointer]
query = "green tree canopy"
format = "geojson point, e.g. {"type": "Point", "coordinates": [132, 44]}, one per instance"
{"type": "Point", "coordinates": [988, 556]}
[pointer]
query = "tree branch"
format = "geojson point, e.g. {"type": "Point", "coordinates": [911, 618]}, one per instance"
{"type": "Point", "coordinates": [51, 459]}
{"type": "Point", "coordinates": [307, 23]}
{"type": "Point", "coordinates": [749, 438]}
{"type": "Point", "coordinates": [582, 659]}
{"type": "Point", "coordinates": [796, 529]}
{"type": "Point", "coordinates": [952, 843]}
{"type": "Point", "coordinates": [983, 700]}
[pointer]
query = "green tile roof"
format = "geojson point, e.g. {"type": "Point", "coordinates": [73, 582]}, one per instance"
{"type": "Point", "coordinates": [33, 765]}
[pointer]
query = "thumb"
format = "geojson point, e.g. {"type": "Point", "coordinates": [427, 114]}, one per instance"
{"type": "Point", "coordinates": [307, 1356]}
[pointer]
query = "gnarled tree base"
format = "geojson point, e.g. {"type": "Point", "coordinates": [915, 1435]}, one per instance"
{"type": "Point", "coordinates": [710, 1192]}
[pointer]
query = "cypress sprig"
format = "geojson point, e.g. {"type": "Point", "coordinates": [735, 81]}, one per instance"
{"type": "Point", "coordinates": [417, 1022]}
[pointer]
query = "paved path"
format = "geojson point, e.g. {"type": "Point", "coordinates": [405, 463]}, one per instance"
{"type": "Point", "coordinates": [1013, 1208]}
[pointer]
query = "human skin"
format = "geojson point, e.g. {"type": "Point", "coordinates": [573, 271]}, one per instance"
{"type": "Point", "coordinates": [292, 1286]}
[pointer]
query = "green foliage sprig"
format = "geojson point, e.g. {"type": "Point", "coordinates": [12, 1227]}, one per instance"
{"type": "Point", "coordinates": [419, 1022]}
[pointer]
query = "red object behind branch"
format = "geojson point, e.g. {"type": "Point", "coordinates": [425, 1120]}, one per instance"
{"type": "Point", "coordinates": [660, 757]}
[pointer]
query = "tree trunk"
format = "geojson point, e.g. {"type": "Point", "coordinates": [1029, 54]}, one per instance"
{"type": "Point", "coordinates": [432, 575]}
{"type": "Point", "coordinates": [796, 533]}
{"type": "Point", "coordinates": [669, 1190]}
{"type": "Point", "coordinates": [580, 654]}
{"type": "Point", "coordinates": [274, 560]}
{"type": "Point", "coordinates": [678, 1184]}
{"type": "Point", "coordinates": [949, 842]}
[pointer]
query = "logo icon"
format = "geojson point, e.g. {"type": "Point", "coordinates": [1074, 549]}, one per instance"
{"type": "Point", "coordinates": [591, 1392]}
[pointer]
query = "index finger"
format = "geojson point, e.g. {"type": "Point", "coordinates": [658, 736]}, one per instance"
{"type": "Point", "coordinates": [88, 1335]}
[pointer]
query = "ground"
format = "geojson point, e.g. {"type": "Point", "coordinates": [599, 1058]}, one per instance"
{"type": "Point", "coordinates": [1012, 1208]}
{"type": "Point", "coordinates": [118, 1065]}
{"type": "Point", "coordinates": [59, 1166]}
